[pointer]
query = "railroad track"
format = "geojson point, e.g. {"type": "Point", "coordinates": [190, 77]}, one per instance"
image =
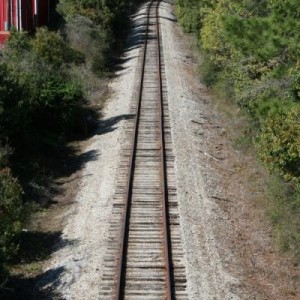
{"type": "Point", "coordinates": [145, 258]}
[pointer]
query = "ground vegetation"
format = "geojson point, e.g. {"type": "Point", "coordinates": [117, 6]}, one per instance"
{"type": "Point", "coordinates": [252, 57]}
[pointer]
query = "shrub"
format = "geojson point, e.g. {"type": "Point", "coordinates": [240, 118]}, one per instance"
{"type": "Point", "coordinates": [10, 215]}
{"type": "Point", "coordinates": [51, 47]}
{"type": "Point", "coordinates": [189, 15]}
{"type": "Point", "coordinates": [86, 37]}
{"type": "Point", "coordinates": [284, 212]}
{"type": "Point", "coordinates": [36, 90]}
{"type": "Point", "coordinates": [279, 143]}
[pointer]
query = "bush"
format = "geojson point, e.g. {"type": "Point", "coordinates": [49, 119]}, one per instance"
{"type": "Point", "coordinates": [189, 15]}
{"type": "Point", "coordinates": [102, 24]}
{"type": "Point", "coordinates": [88, 38]}
{"type": "Point", "coordinates": [10, 215]}
{"type": "Point", "coordinates": [279, 143]}
{"type": "Point", "coordinates": [36, 89]}
{"type": "Point", "coordinates": [51, 47]}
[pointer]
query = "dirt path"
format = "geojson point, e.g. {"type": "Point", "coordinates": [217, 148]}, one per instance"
{"type": "Point", "coordinates": [228, 247]}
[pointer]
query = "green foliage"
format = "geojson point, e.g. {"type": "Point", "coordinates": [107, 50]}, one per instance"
{"type": "Point", "coordinates": [38, 106]}
{"type": "Point", "coordinates": [192, 13]}
{"type": "Point", "coordinates": [51, 47]}
{"type": "Point", "coordinates": [88, 38]}
{"type": "Point", "coordinates": [212, 35]}
{"type": "Point", "coordinates": [97, 29]}
{"type": "Point", "coordinates": [5, 153]}
{"type": "Point", "coordinates": [284, 212]}
{"type": "Point", "coordinates": [295, 87]}
{"type": "Point", "coordinates": [210, 71]}
{"type": "Point", "coordinates": [36, 90]}
{"type": "Point", "coordinates": [258, 40]}
{"type": "Point", "coordinates": [188, 14]}
{"type": "Point", "coordinates": [280, 143]}
{"type": "Point", "coordinates": [18, 41]}
{"type": "Point", "coordinates": [10, 215]}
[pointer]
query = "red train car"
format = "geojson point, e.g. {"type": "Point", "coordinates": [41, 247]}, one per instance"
{"type": "Point", "coordinates": [23, 15]}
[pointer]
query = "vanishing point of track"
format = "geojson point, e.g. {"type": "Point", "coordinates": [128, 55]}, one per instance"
{"type": "Point", "coordinates": [149, 262]}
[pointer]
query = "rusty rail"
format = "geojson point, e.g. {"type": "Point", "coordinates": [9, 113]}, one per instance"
{"type": "Point", "coordinates": [167, 241]}
{"type": "Point", "coordinates": [124, 235]}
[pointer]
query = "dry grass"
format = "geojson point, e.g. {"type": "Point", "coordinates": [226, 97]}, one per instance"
{"type": "Point", "coordinates": [275, 273]}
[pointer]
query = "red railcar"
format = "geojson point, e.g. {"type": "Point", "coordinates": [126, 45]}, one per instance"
{"type": "Point", "coordinates": [23, 15]}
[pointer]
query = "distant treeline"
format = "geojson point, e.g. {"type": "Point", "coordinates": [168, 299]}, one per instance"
{"type": "Point", "coordinates": [44, 80]}
{"type": "Point", "coordinates": [252, 55]}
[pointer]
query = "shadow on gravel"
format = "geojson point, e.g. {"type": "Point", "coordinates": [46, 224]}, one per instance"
{"type": "Point", "coordinates": [109, 125]}
{"type": "Point", "coordinates": [118, 62]}
{"type": "Point", "coordinates": [77, 162]}
{"type": "Point", "coordinates": [174, 20]}
{"type": "Point", "coordinates": [98, 127]}
{"type": "Point", "coordinates": [36, 246]}
{"type": "Point", "coordinates": [19, 288]}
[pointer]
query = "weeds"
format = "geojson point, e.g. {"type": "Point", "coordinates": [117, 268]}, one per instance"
{"type": "Point", "coordinates": [284, 212]}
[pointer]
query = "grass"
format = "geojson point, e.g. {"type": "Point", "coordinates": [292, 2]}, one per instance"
{"type": "Point", "coordinates": [284, 213]}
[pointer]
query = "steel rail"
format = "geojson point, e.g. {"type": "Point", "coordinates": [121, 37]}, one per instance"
{"type": "Point", "coordinates": [165, 214]}
{"type": "Point", "coordinates": [124, 234]}
{"type": "Point", "coordinates": [120, 281]}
